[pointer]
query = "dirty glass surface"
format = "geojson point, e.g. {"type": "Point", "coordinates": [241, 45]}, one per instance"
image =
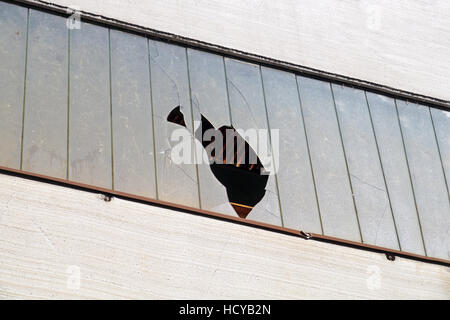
{"type": "Point", "coordinates": [248, 111]}
{"type": "Point", "coordinates": [90, 109]}
{"type": "Point", "coordinates": [177, 179]}
{"type": "Point", "coordinates": [13, 37]}
{"type": "Point", "coordinates": [295, 178]}
{"type": "Point", "coordinates": [427, 177]}
{"type": "Point", "coordinates": [134, 165]}
{"type": "Point", "coordinates": [392, 154]}
{"type": "Point", "coordinates": [328, 161]}
{"type": "Point", "coordinates": [367, 177]}
{"type": "Point", "coordinates": [45, 123]}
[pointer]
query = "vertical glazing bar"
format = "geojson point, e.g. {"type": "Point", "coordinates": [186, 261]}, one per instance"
{"type": "Point", "coordinates": [273, 143]}
{"type": "Point", "coordinates": [68, 104]}
{"type": "Point", "coordinates": [194, 142]}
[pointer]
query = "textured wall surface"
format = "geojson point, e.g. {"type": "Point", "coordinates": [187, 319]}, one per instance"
{"type": "Point", "coordinates": [57, 242]}
{"type": "Point", "coordinates": [402, 44]}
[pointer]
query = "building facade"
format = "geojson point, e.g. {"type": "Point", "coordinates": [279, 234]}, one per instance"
{"type": "Point", "coordinates": [350, 118]}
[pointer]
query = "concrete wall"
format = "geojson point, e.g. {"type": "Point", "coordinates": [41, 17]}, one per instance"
{"type": "Point", "coordinates": [402, 44]}
{"type": "Point", "coordinates": [57, 242]}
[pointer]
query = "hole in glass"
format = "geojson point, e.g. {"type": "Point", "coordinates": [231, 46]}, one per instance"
{"type": "Point", "coordinates": [239, 170]}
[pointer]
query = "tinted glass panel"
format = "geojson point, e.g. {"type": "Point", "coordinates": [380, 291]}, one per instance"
{"type": "Point", "coordinates": [45, 127]}
{"type": "Point", "coordinates": [13, 36]}
{"type": "Point", "coordinates": [90, 109]}
{"type": "Point", "coordinates": [295, 179]}
{"type": "Point", "coordinates": [392, 153]}
{"type": "Point", "coordinates": [134, 165]}
{"type": "Point", "coordinates": [441, 121]}
{"type": "Point", "coordinates": [369, 189]}
{"type": "Point", "coordinates": [332, 181]}
{"type": "Point", "coordinates": [427, 176]}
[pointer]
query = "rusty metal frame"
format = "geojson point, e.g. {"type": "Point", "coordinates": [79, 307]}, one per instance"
{"type": "Point", "coordinates": [390, 253]}
{"type": "Point", "coordinates": [233, 53]}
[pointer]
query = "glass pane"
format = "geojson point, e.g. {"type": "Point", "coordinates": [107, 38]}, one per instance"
{"type": "Point", "coordinates": [92, 105]}
{"type": "Point", "coordinates": [177, 182]}
{"type": "Point", "coordinates": [45, 127]}
{"type": "Point", "coordinates": [328, 161]}
{"type": "Point", "coordinates": [248, 112]}
{"type": "Point", "coordinates": [209, 98]}
{"type": "Point", "coordinates": [441, 120]}
{"type": "Point", "coordinates": [427, 177]}
{"type": "Point", "coordinates": [134, 165]}
{"type": "Point", "coordinates": [295, 180]}
{"type": "Point", "coordinates": [90, 109]}
{"type": "Point", "coordinates": [369, 189]}
{"type": "Point", "coordinates": [13, 37]}
{"type": "Point", "coordinates": [392, 153]}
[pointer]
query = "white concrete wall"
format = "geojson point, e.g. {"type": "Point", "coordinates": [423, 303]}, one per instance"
{"type": "Point", "coordinates": [121, 249]}
{"type": "Point", "coordinates": [403, 44]}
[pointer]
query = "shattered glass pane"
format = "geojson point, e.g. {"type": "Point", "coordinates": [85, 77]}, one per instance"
{"type": "Point", "coordinates": [295, 181]}
{"type": "Point", "coordinates": [248, 112]}
{"type": "Point", "coordinates": [177, 182]}
{"type": "Point", "coordinates": [328, 161]}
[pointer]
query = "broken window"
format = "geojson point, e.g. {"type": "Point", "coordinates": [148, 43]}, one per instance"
{"type": "Point", "coordinates": [91, 105]}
